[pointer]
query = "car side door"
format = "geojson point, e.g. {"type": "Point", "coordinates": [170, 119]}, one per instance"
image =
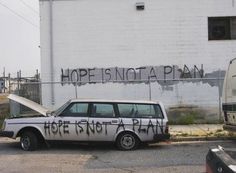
{"type": "Point", "coordinates": [103, 122]}
{"type": "Point", "coordinates": [71, 123]}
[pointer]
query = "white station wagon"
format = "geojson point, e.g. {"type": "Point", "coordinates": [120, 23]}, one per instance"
{"type": "Point", "coordinates": [125, 123]}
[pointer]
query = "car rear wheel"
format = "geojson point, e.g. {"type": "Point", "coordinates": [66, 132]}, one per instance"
{"type": "Point", "coordinates": [29, 141]}
{"type": "Point", "coordinates": [127, 141]}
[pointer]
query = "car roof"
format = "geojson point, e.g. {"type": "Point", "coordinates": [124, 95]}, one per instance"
{"type": "Point", "coordinates": [113, 101]}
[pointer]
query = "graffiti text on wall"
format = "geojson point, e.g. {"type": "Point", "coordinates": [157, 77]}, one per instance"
{"type": "Point", "coordinates": [129, 75]}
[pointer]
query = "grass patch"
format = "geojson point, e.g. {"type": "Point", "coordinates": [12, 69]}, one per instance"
{"type": "Point", "coordinates": [188, 119]}
{"type": "Point", "coordinates": [183, 118]}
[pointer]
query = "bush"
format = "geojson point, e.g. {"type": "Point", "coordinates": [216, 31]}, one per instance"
{"type": "Point", "coordinates": [4, 112]}
{"type": "Point", "coordinates": [187, 114]}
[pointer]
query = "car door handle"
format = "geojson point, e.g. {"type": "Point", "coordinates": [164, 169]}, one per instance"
{"type": "Point", "coordinates": [114, 121]}
{"type": "Point", "coordinates": [83, 121]}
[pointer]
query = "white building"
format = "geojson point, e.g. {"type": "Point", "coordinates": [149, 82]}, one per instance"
{"type": "Point", "coordinates": [161, 36]}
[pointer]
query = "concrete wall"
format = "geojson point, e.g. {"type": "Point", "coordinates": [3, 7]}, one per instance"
{"type": "Point", "coordinates": [112, 33]}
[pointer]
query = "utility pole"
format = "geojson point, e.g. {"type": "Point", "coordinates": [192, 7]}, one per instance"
{"type": "Point", "coordinates": [18, 83]}
{"type": "Point", "coordinates": [9, 80]}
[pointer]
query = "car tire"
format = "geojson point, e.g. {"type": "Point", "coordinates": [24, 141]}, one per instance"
{"type": "Point", "coordinates": [127, 141]}
{"type": "Point", "coordinates": [29, 141]}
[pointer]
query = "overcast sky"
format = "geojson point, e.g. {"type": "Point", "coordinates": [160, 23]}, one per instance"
{"type": "Point", "coordinates": [19, 36]}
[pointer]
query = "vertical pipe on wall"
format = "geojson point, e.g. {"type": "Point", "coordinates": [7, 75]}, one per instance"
{"type": "Point", "coordinates": [219, 90]}
{"type": "Point", "coordinates": [51, 51]}
{"type": "Point", "coordinates": [4, 80]}
{"type": "Point", "coordinates": [39, 86]}
{"type": "Point", "coordinates": [18, 83]}
{"type": "Point", "coordinates": [76, 92]}
{"type": "Point", "coordinates": [150, 89]}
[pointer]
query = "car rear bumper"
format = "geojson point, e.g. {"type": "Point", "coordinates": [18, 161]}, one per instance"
{"type": "Point", "coordinates": [8, 134]}
{"type": "Point", "coordinates": [161, 137]}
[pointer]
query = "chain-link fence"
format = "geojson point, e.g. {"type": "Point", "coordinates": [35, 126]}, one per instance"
{"type": "Point", "coordinates": [28, 87]}
{"type": "Point", "coordinates": [187, 101]}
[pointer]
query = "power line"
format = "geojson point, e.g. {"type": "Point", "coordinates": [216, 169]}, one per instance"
{"type": "Point", "coordinates": [17, 14]}
{"type": "Point", "coordinates": [31, 8]}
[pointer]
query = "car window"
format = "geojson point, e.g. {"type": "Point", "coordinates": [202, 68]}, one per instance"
{"type": "Point", "coordinates": [127, 110]}
{"type": "Point", "coordinates": [76, 110]}
{"type": "Point", "coordinates": [233, 85]}
{"type": "Point", "coordinates": [144, 111]}
{"type": "Point", "coordinates": [102, 110]}
{"type": "Point", "coordinates": [158, 112]}
{"type": "Point", "coordinates": [140, 111]}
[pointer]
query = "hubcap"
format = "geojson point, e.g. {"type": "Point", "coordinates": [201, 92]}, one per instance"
{"type": "Point", "coordinates": [25, 142]}
{"type": "Point", "coordinates": [127, 141]}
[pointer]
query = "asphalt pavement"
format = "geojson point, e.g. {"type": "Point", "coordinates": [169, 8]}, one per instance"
{"type": "Point", "coordinates": [171, 157]}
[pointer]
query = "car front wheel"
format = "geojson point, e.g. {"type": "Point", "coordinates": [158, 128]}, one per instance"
{"type": "Point", "coordinates": [29, 141]}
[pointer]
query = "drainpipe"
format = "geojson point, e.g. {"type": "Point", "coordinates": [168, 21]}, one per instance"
{"type": "Point", "coordinates": [51, 51]}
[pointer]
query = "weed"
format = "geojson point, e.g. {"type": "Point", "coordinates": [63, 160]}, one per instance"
{"type": "Point", "coordinates": [184, 134]}
{"type": "Point", "coordinates": [219, 130]}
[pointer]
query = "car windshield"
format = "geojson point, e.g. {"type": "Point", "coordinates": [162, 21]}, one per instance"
{"type": "Point", "coordinates": [60, 109]}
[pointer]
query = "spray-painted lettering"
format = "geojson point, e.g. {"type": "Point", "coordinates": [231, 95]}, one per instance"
{"type": "Point", "coordinates": [96, 127]}
{"type": "Point", "coordinates": [127, 75]}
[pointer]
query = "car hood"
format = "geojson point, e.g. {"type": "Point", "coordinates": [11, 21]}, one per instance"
{"type": "Point", "coordinates": [29, 103]}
